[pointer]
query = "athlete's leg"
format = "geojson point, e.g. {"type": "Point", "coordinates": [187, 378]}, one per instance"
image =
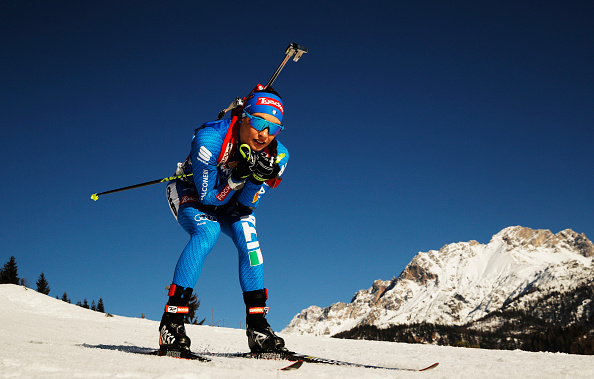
{"type": "Point", "coordinates": [204, 231]}
{"type": "Point", "coordinates": [203, 228]}
{"type": "Point", "coordinates": [242, 229]}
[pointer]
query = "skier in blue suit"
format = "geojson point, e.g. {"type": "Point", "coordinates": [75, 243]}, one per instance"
{"type": "Point", "coordinates": [234, 162]}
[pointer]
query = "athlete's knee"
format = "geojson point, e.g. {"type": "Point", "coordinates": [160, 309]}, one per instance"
{"type": "Point", "coordinates": [194, 221]}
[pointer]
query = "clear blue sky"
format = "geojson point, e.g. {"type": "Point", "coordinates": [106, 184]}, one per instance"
{"type": "Point", "coordinates": [411, 125]}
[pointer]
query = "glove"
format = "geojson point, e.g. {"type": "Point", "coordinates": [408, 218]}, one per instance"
{"type": "Point", "coordinates": [265, 168]}
{"type": "Point", "coordinates": [245, 165]}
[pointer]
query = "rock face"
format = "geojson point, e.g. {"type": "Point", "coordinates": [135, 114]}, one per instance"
{"type": "Point", "coordinates": [462, 282]}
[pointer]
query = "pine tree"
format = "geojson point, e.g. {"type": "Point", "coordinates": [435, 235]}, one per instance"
{"type": "Point", "coordinates": [93, 306]}
{"type": "Point", "coordinates": [42, 285]}
{"type": "Point", "coordinates": [193, 306]}
{"type": "Point", "coordinates": [9, 273]}
{"type": "Point", "coordinates": [65, 298]}
{"type": "Point", "coordinates": [85, 304]}
{"type": "Point", "coordinates": [100, 306]}
{"type": "Point", "coordinates": [24, 282]}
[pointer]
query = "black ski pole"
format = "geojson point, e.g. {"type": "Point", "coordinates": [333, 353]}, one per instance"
{"type": "Point", "coordinates": [95, 196]}
{"type": "Point", "coordinates": [293, 48]}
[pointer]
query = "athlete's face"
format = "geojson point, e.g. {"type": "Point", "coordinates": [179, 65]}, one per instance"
{"type": "Point", "coordinates": [254, 139]}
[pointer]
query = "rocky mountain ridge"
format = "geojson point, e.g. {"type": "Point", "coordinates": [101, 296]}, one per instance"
{"type": "Point", "coordinates": [464, 282]}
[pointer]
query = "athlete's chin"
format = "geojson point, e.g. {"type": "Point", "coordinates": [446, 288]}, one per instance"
{"type": "Point", "coordinates": [257, 145]}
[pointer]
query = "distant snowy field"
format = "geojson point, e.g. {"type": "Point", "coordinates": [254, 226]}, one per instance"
{"type": "Point", "coordinates": [42, 337]}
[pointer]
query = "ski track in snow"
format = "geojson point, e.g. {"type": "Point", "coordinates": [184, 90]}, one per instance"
{"type": "Point", "coordinates": [43, 337]}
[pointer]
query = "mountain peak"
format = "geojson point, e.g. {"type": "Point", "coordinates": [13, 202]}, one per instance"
{"type": "Point", "coordinates": [543, 238]}
{"type": "Point", "coordinates": [462, 282]}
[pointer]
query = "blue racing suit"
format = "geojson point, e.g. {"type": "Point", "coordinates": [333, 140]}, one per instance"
{"type": "Point", "coordinates": [205, 204]}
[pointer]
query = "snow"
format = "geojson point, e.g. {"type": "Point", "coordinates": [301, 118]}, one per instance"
{"type": "Point", "coordinates": [43, 337]}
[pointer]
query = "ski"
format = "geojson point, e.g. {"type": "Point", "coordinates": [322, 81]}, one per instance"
{"type": "Point", "coordinates": [294, 365]}
{"type": "Point", "coordinates": [313, 359]}
{"type": "Point", "coordinates": [176, 354]}
{"type": "Point", "coordinates": [296, 357]}
{"type": "Point", "coordinates": [148, 351]}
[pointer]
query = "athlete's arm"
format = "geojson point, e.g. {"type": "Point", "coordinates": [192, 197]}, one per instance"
{"type": "Point", "coordinates": [206, 146]}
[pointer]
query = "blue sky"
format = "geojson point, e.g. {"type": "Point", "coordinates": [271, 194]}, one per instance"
{"type": "Point", "coordinates": [411, 125]}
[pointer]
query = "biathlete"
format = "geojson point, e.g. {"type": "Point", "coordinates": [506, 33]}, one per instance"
{"type": "Point", "coordinates": [234, 162]}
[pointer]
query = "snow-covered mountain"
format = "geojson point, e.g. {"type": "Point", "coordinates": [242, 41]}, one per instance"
{"type": "Point", "coordinates": [463, 282]}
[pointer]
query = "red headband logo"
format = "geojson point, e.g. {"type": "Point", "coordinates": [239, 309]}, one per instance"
{"type": "Point", "coordinates": [271, 102]}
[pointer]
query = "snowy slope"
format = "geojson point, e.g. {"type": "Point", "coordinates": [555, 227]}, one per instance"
{"type": "Point", "coordinates": [45, 338]}
{"type": "Point", "coordinates": [462, 282]}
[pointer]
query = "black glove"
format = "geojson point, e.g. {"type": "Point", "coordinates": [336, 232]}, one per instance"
{"type": "Point", "coordinates": [245, 165]}
{"type": "Point", "coordinates": [265, 168]}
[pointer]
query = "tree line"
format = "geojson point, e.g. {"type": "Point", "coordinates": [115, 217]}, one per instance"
{"type": "Point", "coordinates": [553, 322]}
{"type": "Point", "coordinates": [575, 339]}
{"type": "Point", "coordinates": [9, 275]}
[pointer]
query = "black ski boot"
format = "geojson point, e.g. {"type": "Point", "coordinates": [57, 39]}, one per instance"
{"type": "Point", "coordinates": [261, 337]}
{"type": "Point", "coordinates": [173, 340]}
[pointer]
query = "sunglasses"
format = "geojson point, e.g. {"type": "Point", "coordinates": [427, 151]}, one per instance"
{"type": "Point", "coordinates": [260, 124]}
